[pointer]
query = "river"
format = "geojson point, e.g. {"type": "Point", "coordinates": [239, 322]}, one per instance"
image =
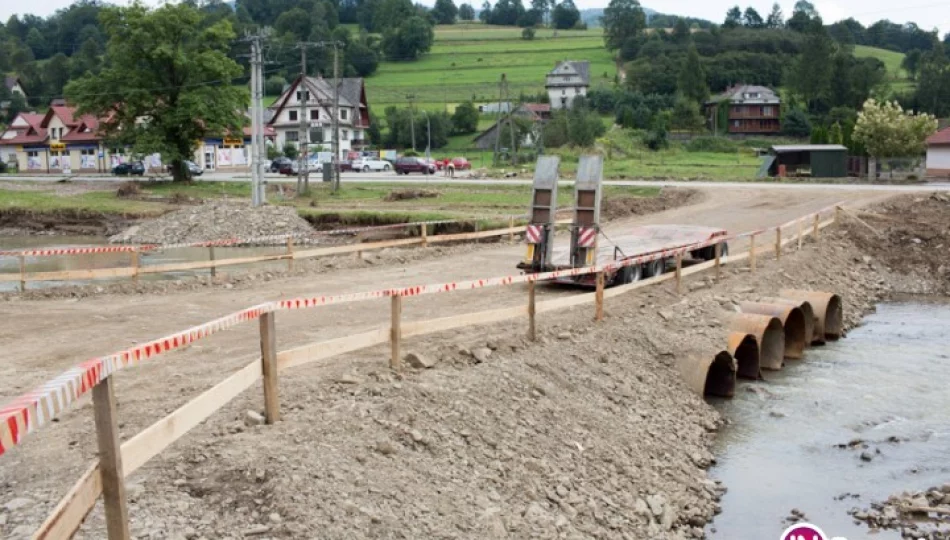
{"type": "Point", "coordinates": [886, 384]}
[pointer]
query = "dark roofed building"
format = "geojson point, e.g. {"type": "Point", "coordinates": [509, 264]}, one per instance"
{"type": "Point", "coordinates": [566, 81]}
{"type": "Point", "coordinates": [750, 110]}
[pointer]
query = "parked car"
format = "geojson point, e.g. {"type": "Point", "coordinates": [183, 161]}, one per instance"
{"type": "Point", "coordinates": [460, 163]}
{"type": "Point", "coordinates": [134, 168]}
{"type": "Point", "coordinates": [193, 168]}
{"type": "Point", "coordinates": [293, 167]}
{"type": "Point", "coordinates": [278, 163]}
{"type": "Point", "coordinates": [406, 165]}
{"type": "Point", "coordinates": [369, 164]}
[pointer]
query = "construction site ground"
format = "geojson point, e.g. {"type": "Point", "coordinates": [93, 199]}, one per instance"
{"type": "Point", "coordinates": [589, 433]}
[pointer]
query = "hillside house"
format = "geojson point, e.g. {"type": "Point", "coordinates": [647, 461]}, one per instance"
{"type": "Point", "coordinates": [566, 81]}
{"type": "Point", "coordinates": [751, 110]}
{"type": "Point", "coordinates": [62, 141]}
{"type": "Point", "coordinates": [537, 113]}
{"type": "Point", "coordinates": [938, 154]}
{"type": "Point", "coordinates": [13, 85]}
{"type": "Point", "coordinates": [317, 96]}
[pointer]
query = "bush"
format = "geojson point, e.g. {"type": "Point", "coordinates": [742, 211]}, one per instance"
{"type": "Point", "coordinates": [712, 144]}
{"type": "Point", "coordinates": [274, 86]}
{"type": "Point", "coordinates": [656, 139]}
{"type": "Point", "coordinates": [527, 34]}
{"type": "Point", "coordinates": [290, 150]}
{"type": "Point", "coordinates": [796, 124]}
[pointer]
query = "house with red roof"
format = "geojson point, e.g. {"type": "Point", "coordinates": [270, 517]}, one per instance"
{"type": "Point", "coordinates": [63, 142]}
{"type": "Point", "coordinates": [938, 153]}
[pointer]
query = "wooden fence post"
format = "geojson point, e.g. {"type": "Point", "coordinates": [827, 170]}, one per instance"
{"type": "Point", "coordinates": [679, 273]}
{"type": "Point", "coordinates": [110, 460]}
{"type": "Point", "coordinates": [532, 329]}
{"type": "Point", "coordinates": [135, 265]}
{"type": "Point", "coordinates": [214, 271]}
{"type": "Point", "coordinates": [511, 232]}
{"type": "Point", "coordinates": [778, 243]}
{"type": "Point", "coordinates": [395, 332]}
{"type": "Point", "coordinates": [718, 250]}
{"type": "Point", "coordinates": [815, 230]}
{"type": "Point", "coordinates": [424, 232]}
{"type": "Point", "coordinates": [269, 368]}
{"type": "Point", "coordinates": [290, 254]}
{"type": "Point", "coordinates": [22, 273]}
{"type": "Point", "coordinates": [800, 235]}
{"type": "Point", "coordinates": [599, 297]}
{"type": "Point", "coordinates": [752, 254]}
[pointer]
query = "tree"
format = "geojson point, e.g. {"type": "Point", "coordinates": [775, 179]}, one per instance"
{"type": "Point", "coordinates": [911, 62]}
{"type": "Point", "coordinates": [527, 34]}
{"type": "Point", "coordinates": [290, 150]}
{"type": "Point", "coordinates": [796, 124]}
{"type": "Point", "coordinates": [681, 31]}
{"type": "Point", "coordinates": [445, 12]}
{"type": "Point", "coordinates": [775, 19]}
{"type": "Point", "coordinates": [733, 18]}
{"type": "Point", "coordinates": [409, 40]}
{"type": "Point", "coordinates": [166, 82]}
{"type": "Point", "coordinates": [622, 20]}
{"type": "Point", "coordinates": [692, 78]}
{"type": "Point", "coordinates": [16, 104]}
{"type": "Point", "coordinates": [485, 14]}
{"type": "Point", "coordinates": [55, 73]}
{"type": "Point", "coordinates": [811, 73]}
{"type": "Point", "coordinates": [392, 13]}
{"type": "Point", "coordinates": [295, 21]}
{"type": "Point", "coordinates": [886, 130]}
{"type": "Point", "coordinates": [565, 15]}
{"type": "Point", "coordinates": [466, 12]}
{"type": "Point", "coordinates": [835, 134]}
{"type": "Point", "coordinates": [465, 118]}
{"type": "Point", "coordinates": [37, 43]}
{"type": "Point", "coordinates": [804, 16]}
{"type": "Point", "coordinates": [274, 85]}
{"type": "Point", "coordinates": [752, 19]}
{"type": "Point", "coordinates": [686, 115]}
{"type": "Point", "coordinates": [363, 58]}
{"type": "Point", "coordinates": [542, 7]}
{"type": "Point", "coordinates": [933, 83]}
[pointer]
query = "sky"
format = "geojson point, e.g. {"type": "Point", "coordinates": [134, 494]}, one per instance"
{"type": "Point", "coordinates": [927, 14]}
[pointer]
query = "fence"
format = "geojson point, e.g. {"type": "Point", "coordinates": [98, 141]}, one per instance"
{"type": "Point", "coordinates": [292, 252]}
{"type": "Point", "coordinates": [119, 460]}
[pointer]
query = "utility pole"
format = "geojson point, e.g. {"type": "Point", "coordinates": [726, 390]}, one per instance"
{"type": "Point", "coordinates": [335, 162]}
{"type": "Point", "coordinates": [412, 120]}
{"type": "Point", "coordinates": [428, 135]}
{"type": "Point", "coordinates": [511, 124]}
{"type": "Point", "coordinates": [258, 152]}
{"type": "Point", "coordinates": [303, 173]}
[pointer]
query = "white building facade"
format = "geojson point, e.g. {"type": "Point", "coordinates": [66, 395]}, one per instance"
{"type": "Point", "coordinates": [316, 95]}
{"type": "Point", "coordinates": [938, 154]}
{"type": "Point", "coordinates": [566, 81]}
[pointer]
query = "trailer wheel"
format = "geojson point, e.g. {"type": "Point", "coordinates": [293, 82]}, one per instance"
{"type": "Point", "coordinates": [629, 274]}
{"type": "Point", "coordinates": [654, 268]}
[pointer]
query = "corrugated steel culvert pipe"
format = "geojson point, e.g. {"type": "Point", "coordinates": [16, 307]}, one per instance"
{"type": "Point", "coordinates": [745, 349]}
{"type": "Point", "coordinates": [807, 312]}
{"type": "Point", "coordinates": [793, 321]}
{"type": "Point", "coordinates": [829, 313]}
{"type": "Point", "coordinates": [709, 375]}
{"type": "Point", "coordinates": [769, 334]}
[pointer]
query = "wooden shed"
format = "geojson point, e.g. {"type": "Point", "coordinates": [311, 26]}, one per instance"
{"type": "Point", "coordinates": [814, 160]}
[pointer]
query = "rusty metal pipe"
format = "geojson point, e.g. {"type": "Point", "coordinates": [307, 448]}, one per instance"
{"type": "Point", "coordinates": [745, 349]}
{"type": "Point", "coordinates": [807, 311]}
{"type": "Point", "coordinates": [769, 334]}
{"type": "Point", "coordinates": [793, 321]}
{"type": "Point", "coordinates": [709, 375]}
{"type": "Point", "coordinates": [829, 314]}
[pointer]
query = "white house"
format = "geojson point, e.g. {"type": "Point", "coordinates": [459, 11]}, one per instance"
{"type": "Point", "coordinates": [317, 96]}
{"type": "Point", "coordinates": [938, 153]}
{"type": "Point", "coordinates": [566, 81]}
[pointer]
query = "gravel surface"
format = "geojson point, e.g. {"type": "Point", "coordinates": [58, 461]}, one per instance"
{"type": "Point", "coordinates": [917, 515]}
{"type": "Point", "coordinates": [216, 220]}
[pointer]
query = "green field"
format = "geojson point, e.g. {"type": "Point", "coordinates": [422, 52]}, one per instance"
{"type": "Point", "coordinates": [467, 61]}
{"type": "Point", "coordinates": [897, 77]}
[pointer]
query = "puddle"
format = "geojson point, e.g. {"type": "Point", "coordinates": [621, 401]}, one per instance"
{"type": "Point", "coordinates": [112, 260]}
{"type": "Point", "coordinates": [887, 381]}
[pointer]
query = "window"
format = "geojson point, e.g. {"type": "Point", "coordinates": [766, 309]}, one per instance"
{"type": "Point", "coordinates": [344, 114]}
{"type": "Point", "coordinates": [54, 153]}
{"type": "Point", "coordinates": [315, 114]}
{"type": "Point", "coordinates": [316, 135]}
{"type": "Point", "coordinates": [291, 136]}
{"type": "Point", "coordinates": [293, 116]}
{"type": "Point", "coordinates": [767, 111]}
{"type": "Point", "coordinates": [87, 152]}
{"type": "Point", "coordinates": [346, 135]}
{"type": "Point", "coordinates": [32, 153]}
{"type": "Point", "coordinates": [306, 94]}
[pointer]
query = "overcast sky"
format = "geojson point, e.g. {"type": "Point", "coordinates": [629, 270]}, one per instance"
{"type": "Point", "coordinates": [926, 13]}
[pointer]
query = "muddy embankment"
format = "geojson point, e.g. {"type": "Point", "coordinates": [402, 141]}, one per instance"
{"type": "Point", "coordinates": [588, 433]}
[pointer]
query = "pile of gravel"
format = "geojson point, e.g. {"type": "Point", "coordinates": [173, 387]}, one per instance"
{"type": "Point", "coordinates": [216, 220]}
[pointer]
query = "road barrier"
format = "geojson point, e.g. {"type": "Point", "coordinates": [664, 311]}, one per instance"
{"type": "Point", "coordinates": [710, 374]}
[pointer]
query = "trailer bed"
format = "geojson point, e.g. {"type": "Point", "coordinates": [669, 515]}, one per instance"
{"type": "Point", "coordinates": [643, 240]}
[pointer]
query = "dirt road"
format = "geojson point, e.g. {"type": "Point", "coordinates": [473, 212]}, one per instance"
{"type": "Point", "coordinates": [38, 339]}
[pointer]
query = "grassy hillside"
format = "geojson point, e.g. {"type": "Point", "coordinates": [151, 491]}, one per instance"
{"type": "Point", "coordinates": [467, 60]}
{"type": "Point", "coordinates": [897, 76]}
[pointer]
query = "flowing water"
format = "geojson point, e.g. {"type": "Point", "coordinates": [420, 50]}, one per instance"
{"type": "Point", "coordinates": [112, 260]}
{"type": "Point", "coordinates": [886, 384]}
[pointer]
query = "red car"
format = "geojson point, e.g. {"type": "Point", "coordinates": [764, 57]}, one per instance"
{"type": "Point", "coordinates": [460, 163]}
